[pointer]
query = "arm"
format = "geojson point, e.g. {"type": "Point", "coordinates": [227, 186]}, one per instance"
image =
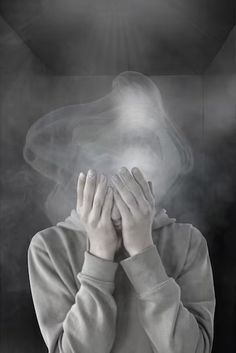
{"type": "Point", "coordinates": [73, 322]}
{"type": "Point", "coordinates": [177, 315]}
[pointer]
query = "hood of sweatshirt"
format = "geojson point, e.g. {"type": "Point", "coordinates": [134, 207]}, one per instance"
{"type": "Point", "coordinates": [73, 222]}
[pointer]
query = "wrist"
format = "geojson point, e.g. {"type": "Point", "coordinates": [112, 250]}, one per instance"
{"type": "Point", "coordinates": [102, 252]}
{"type": "Point", "coordinates": [138, 249]}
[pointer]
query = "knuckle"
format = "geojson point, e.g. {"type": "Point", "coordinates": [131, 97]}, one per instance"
{"type": "Point", "coordinates": [122, 187]}
{"type": "Point", "coordinates": [146, 209]}
{"type": "Point", "coordinates": [92, 222]}
{"type": "Point", "coordinates": [90, 193]}
{"type": "Point", "coordinates": [138, 192]}
{"type": "Point", "coordinates": [97, 202]}
{"type": "Point", "coordinates": [103, 223]}
{"type": "Point", "coordinates": [87, 195]}
{"type": "Point", "coordinates": [145, 212]}
{"type": "Point", "coordinates": [130, 197]}
{"type": "Point", "coordinates": [83, 216]}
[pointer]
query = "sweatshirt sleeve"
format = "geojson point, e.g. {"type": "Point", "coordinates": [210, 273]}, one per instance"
{"type": "Point", "coordinates": [80, 322]}
{"type": "Point", "coordinates": [176, 314]}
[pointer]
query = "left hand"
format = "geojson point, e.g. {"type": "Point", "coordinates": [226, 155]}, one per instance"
{"type": "Point", "coordinates": [136, 203]}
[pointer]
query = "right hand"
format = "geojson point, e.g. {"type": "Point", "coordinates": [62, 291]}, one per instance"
{"type": "Point", "coordinates": [94, 205]}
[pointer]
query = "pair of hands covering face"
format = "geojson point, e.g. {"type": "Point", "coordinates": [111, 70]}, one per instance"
{"type": "Point", "coordinates": [100, 207]}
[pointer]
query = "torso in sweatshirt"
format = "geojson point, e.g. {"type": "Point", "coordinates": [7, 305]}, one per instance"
{"type": "Point", "coordinates": [160, 300]}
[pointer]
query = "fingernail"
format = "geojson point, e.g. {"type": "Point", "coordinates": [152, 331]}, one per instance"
{"type": "Point", "coordinates": [81, 175]}
{"type": "Point", "coordinates": [135, 170]}
{"type": "Point", "coordinates": [122, 170]}
{"type": "Point", "coordinates": [91, 173]}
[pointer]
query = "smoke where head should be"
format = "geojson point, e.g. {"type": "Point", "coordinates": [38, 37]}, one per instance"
{"type": "Point", "coordinates": [129, 126]}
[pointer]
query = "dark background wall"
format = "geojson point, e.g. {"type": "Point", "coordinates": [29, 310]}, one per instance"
{"type": "Point", "coordinates": [195, 69]}
{"type": "Point", "coordinates": [220, 182]}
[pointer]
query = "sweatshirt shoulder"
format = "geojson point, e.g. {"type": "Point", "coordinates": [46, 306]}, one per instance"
{"type": "Point", "coordinates": [182, 233]}
{"type": "Point", "coordinates": [189, 237]}
{"type": "Point", "coordinates": [190, 231]}
{"type": "Point", "coordinates": [175, 242]}
{"type": "Point", "coordinates": [56, 239]}
{"type": "Point", "coordinates": [44, 236]}
{"type": "Point", "coordinates": [60, 250]}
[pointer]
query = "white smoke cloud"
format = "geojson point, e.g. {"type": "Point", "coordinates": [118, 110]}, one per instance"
{"type": "Point", "coordinates": [128, 127]}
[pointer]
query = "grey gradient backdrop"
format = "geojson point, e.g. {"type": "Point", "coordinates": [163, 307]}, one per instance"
{"type": "Point", "coordinates": [49, 58]}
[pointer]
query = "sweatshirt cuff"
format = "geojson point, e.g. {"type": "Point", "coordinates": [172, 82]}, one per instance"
{"type": "Point", "coordinates": [98, 268]}
{"type": "Point", "coordinates": [145, 270]}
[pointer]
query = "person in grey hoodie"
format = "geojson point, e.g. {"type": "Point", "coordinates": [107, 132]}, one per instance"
{"type": "Point", "coordinates": [143, 285]}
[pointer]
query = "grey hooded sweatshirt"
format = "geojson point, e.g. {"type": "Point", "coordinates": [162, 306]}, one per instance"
{"type": "Point", "coordinates": [160, 300]}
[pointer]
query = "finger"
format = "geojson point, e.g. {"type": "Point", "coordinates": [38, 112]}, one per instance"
{"type": "Point", "coordinates": [152, 192]}
{"type": "Point", "coordinates": [80, 189]}
{"type": "Point", "coordinates": [99, 197]}
{"type": "Point", "coordinates": [115, 213]}
{"type": "Point", "coordinates": [106, 210]}
{"type": "Point", "coordinates": [89, 190]}
{"type": "Point", "coordinates": [124, 193]}
{"type": "Point", "coordinates": [133, 186]}
{"type": "Point", "coordinates": [144, 184]}
{"type": "Point", "coordinates": [123, 208]}
{"type": "Point", "coordinates": [151, 188]}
